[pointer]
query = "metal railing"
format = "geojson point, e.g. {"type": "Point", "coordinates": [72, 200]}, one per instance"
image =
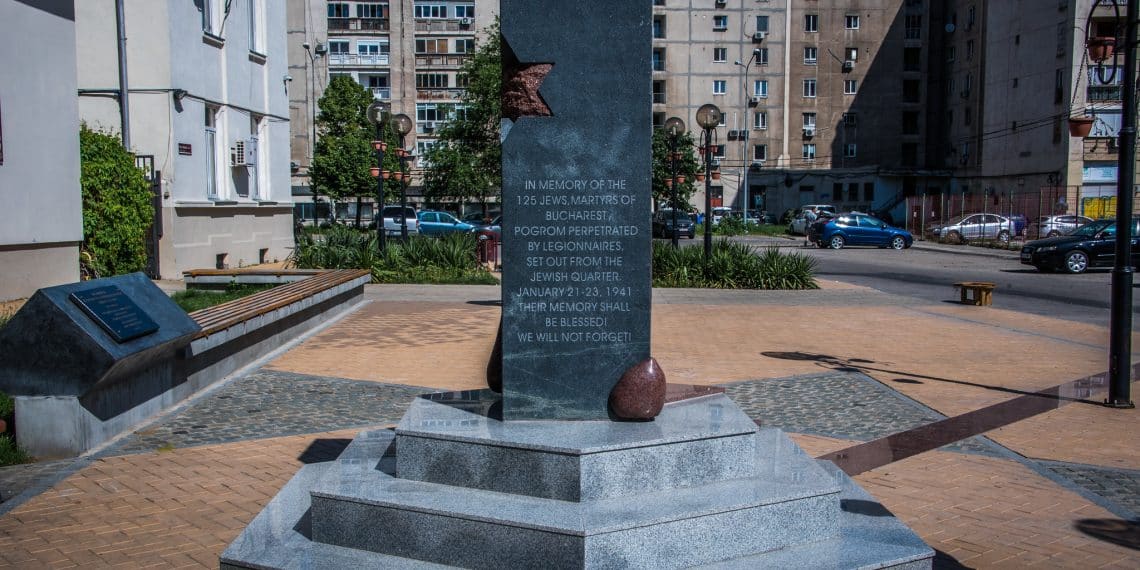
{"type": "Point", "coordinates": [358, 59]}
{"type": "Point", "coordinates": [359, 24]}
{"type": "Point", "coordinates": [382, 93]}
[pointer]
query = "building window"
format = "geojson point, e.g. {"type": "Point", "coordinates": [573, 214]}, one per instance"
{"type": "Point", "coordinates": [336, 9]}
{"type": "Point", "coordinates": [720, 23]}
{"type": "Point", "coordinates": [761, 23]}
{"type": "Point", "coordinates": [255, 153]}
{"type": "Point", "coordinates": [211, 122]}
{"type": "Point", "coordinates": [760, 120]}
{"type": "Point", "coordinates": [850, 119]}
{"type": "Point", "coordinates": [809, 151]}
{"type": "Point", "coordinates": [431, 81]}
{"type": "Point", "coordinates": [811, 22]}
{"type": "Point", "coordinates": [912, 59]}
{"type": "Point", "coordinates": [371, 10]}
{"type": "Point", "coordinates": [807, 188]}
{"type": "Point", "coordinates": [910, 122]}
{"type": "Point", "coordinates": [429, 112]}
{"type": "Point", "coordinates": [465, 11]}
{"type": "Point", "coordinates": [720, 87]}
{"type": "Point", "coordinates": [969, 50]}
{"type": "Point", "coordinates": [338, 48]}
{"type": "Point", "coordinates": [849, 152]}
{"type": "Point", "coordinates": [809, 88]}
{"type": "Point", "coordinates": [465, 45]}
{"type": "Point", "coordinates": [911, 93]}
{"type": "Point", "coordinates": [462, 80]}
{"type": "Point", "coordinates": [851, 54]}
{"type": "Point", "coordinates": [809, 122]}
{"type": "Point", "coordinates": [850, 86]}
{"type": "Point", "coordinates": [435, 45]}
{"type": "Point", "coordinates": [760, 152]}
{"type": "Point", "coordinates": [256, 26]}
{"type": "Point", "coordinates": [851, 22]}
{"type": "Point", "coordinates": [432, 11]}
{"type": "Point", "coordinates": [209, 16]}
{"type": "Point", "coordinates": [761, 56]}
{"type": "Point", "coordinates": [811, 55]}
{"type": "Point", "coordinates": [658, 59]}
{"type": "Point", "coordinates": [720, 55]}
{"type": "Point", "coordinates": [868, 191]}
{"type": "Point", "coordinates": [659, 27]}
{"type": "Point", "coordinates": [967, 116]}
{"type": "Point", "coordinates": [760, 88]}
{"type": "Point", "coordinates": [913, 26]}
{"type": "Point", "coordinates": [718, 149]}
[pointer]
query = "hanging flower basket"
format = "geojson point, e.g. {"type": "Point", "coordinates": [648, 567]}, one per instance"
{"type": "Point", "coordinates": [397, 176]}
{"type": "Point", "coordinates": [379, 145]}
{"type": "Point", "coordinates": [680, 179]}
{"type": "Point", "coordinates": [386, 174]}
{"type": "Point", "coordinates": [700, 177]}
{"type": "Point", "coordinates": [669, 183]}
{"type": "Point", "coordinates": [716, 175]}
{"type": "Point", "coordinates": [1101, 48]}
{"type": "Point", "coordinates": [374, 171]}
{"type": "Point", "coordinates": [1080, 126]}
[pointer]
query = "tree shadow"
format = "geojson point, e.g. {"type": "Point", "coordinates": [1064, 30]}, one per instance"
{"type": "Point", "coordinates": [1115, 531]}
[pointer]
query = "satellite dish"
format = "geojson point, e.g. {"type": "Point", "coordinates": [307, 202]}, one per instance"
{"type": "Point", "coordinates": [949, 28]}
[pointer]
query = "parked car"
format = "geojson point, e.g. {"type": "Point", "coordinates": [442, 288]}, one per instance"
{"type": "Point", "coordinates": [1091, 245]}
{"type": "Point", "coordinates": [477, 218]}
{"type": "Point", "coordinates": [798, 225]}
{"type": "Point", "coordinates": [493, 229]}
{"type": "Point", "coordinates": [663, 224]}
{"type": "Point", "coordinates": [394, 215]}
{"type": "Point", "coordinates": [851, 228]}
{"type": "Point", "coordinates": [1051, 226]}
{"type": "Point", "coordinates": [967, 227]}
{"type": "Point", "coordinates": [440, 223]}
{"type": "Point", "coordinates": [720, 212]}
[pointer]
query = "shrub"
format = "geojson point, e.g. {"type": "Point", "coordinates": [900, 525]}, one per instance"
{"type": "Point", "coordinates": [117, 209]}
{"type": "Point", "coordinates": [449, 259]}
{"type": "Point", "coordinates": [731, 266]}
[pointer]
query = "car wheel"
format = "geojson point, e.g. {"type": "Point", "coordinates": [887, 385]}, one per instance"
{"type": "Point", "coordinates": [954, 237]}
{"type": "Point", "coordinates": [837, 242]}
{"type": "Point", "coordinates": [1076, 262]}
{"type": "Point", "coordinates": [1003, 237]}
{"type": "Point", "coordinates": [898, 242]}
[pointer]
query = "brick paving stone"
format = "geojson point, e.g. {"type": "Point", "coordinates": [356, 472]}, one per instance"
{"type": "Point", "coordinates": [1120, 488]}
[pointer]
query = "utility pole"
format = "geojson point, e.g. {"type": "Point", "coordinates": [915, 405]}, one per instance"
{"type": "Point", "coordinates": [124, 91]}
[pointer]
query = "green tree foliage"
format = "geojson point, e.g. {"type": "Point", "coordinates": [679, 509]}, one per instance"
{"type": "Point", "coordinates": [117, 209]}
{"type": "Point", "coordinates": [467, 161]}
{"type": "Point", "coordinates": [343, 157]}
{"type": "Point", "coordinates": [687, 166]}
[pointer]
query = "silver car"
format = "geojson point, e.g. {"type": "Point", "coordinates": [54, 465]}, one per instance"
{"type": "Point", "coordinates": [1052, 226]}
{"type": "Point", "coordinates": [968, 227]}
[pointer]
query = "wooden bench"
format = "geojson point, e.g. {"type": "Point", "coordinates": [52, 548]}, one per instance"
{"type": "Point", "coordinates": [226, 315]}
{"type": "Point", "coordinates": [977, 293]}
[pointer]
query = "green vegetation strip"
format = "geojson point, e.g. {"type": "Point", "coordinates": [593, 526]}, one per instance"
{"type": "Point", "coordinates": [196, 299]}
{"type": "Point", "coordinates": [731, 266]}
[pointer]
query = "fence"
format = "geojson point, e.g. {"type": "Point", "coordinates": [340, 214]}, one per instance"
{"type": "Point", "coordinates": [926, 210]}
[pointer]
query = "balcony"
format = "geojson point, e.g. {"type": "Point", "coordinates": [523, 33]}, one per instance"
{"type": "Point", "coordinates": [358, 25]}
{"type": "Point", "coordinates": [354, 59]}
{"type": "Point", "coordinates": [437, 94]}
{"type": "Point", "coordinates": [429, 26]}
{"type": "Point", "coordinates": [1104, 93]}
{"type": "Point", "coordinates": [381, 93]}
{"type": "Point", "coordinates": [446, 61]}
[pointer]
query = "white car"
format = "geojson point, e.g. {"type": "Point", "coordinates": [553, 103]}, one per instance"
{"type": "Point", "coordinates": [393, 219]}
{"type": "Point", "coordinates": [720, 212]}
{"type": "Point", "coordinates": [798, 226]}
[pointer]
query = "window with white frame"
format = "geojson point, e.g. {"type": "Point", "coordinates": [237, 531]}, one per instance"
{"type": "Point", "coordinates": [851, 22]}
{"type": "Point", "coordinates": [720, 23]}
{"type": "Point", "coordinates": [465, 45]}
{"type": "Point", "coordinates": [850, 119]}
{"type": "Point", "coordinates": [720, 87]}
{"type": "Point", "coordinates": [429, 112]}
{"type": "Point", "coordinates": [809, 88]}
{"type": "Point", "coordinates": [465, 11]}
{"type": "Point", "coordinates": [422, 149]}
{"type": "Point", "coordinates": [257, 26]}
{"type": "Point", "coordinates": [811, 23]}
{"type": "Point", "coordinates": [849, 150]}
{"type": "Point", "coordinates": [761, 23]}
{"type": "Point", "coordinates": [211, 136]}
{"type": "Point", "coordinates": [720, 55]}
{"type": "Point", "coordinates": [760, 88]}
{"type": "Point", "coordinates": [760, 120]}
{"type": "Point", "coordinates": [432, 11]}
{"type": "Point", "coordinates": [338, 47]}
{"type": "Point", "coordinates": [811, 55]}
{"type": "Point", "coordinates": [760, 152]}
{"type": "Point", "coordinates": [718, 149]}
{"type": "Point", "coordinates": [210, 16]}
{"type": "Point", "coordinates": [761, 56]}
{"type": "Point", "coordinates": [809, 121]}
{"type": "Point", "coordinates": [851, 54]}
{"type": "Point", "coordinates": [809, 151]}
{"type": "Point", "coordinates": [850, 86]}
{"type": "Point", "coordinates": [255, 153]}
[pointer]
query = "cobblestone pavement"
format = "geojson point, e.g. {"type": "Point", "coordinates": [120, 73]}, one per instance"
{"type": "Point", "coordinates": [16, 479]}
{"type": "Point", "coordinates": [1119, 487]}
{"type": "Point", "coordinates": [271, 404]}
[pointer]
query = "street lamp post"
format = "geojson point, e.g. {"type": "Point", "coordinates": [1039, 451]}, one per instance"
{"type": "Point", "coordinates": [674, 126]}
{"type": "Point", "coordinates": [311, 107]}
{"type": "Point", "coordinates": [403, 125]}
{"type": "Point", "coordinates": [378, 113]}
{"type": "Point", "coordinates": [744, 152]}
{"type": "Point", "coordinates": [708, 117]}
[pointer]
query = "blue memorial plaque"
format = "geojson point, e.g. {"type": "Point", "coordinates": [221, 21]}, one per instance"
{"type": "Point", "coordinates": [112, 310]}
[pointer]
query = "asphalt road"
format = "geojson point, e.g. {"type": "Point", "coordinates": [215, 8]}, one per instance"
{"type": "Point", "coordinates": [929, 272]}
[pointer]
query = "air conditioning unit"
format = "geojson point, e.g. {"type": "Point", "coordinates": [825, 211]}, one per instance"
{"type": "Point", "coordinates": [757, 164]}
{"type": "Point", "coordinates": [754, 101]}
{"type": "Point", "coordinates": [429, 127]}
{"type": "Point", "coordinates": [848, 65]}
{"type": "Point", "coordinates": [809, 132]}
{"type": "Point", "coordinates": [733, 134]}
{"type": "Point", "coordinates": [465, 21]}
{"type": "Point", "coordinates": [721, 3]}
{"type": "Point", "coordinates": [244, 153]}
{"type": "Point", "coordinates": [759, 36]}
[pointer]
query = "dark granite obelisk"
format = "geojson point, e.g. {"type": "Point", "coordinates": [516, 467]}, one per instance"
{"type": "Point", "coordinates": [576, 201]}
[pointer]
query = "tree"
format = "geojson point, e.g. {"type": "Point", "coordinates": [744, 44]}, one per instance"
{"type": "Point", "coordinates": [467, 160]}
{"type": "Point", "coordinates": [343, 157]}
{"type": "Point", "coordinates": [687, 166]}
{"type": "Point", "coordinates": [117, 209]}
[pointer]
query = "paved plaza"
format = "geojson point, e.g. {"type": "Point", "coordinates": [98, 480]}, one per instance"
{"type": "Point", "coordinates": [836, 368]}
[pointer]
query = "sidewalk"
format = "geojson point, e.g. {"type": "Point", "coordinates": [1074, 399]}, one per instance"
{"type": "Point", "coordinates": [1055, 489]}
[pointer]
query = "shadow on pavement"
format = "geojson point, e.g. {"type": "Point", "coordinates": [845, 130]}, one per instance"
{"type": "Point", "coordinates": [943, 561]}
{"type": "Point", "coordinates": [1115, 531]}
{"type": "Point", "coordinates": [322, 450]}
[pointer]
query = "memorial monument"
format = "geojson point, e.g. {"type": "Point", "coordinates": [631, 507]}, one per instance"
{"type": "Point", "coordinates": [578, 462]}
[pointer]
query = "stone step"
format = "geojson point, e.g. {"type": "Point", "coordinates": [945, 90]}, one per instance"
{"type": "Point", "coordinates": [454, 439]}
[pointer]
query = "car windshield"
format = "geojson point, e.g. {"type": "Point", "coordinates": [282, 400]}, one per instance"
{"type": "Point", "coordinates": [1090, 230]}
{"type": "Point", "coordinates": [957, 219]}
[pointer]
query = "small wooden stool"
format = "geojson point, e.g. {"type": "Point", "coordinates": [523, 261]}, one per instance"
{"type": "Point", "coordinates": [982, 292]}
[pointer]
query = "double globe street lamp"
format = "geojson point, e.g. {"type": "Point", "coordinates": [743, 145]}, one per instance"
{"type": "Point", "coordinates": [674, 126]}
{"type": "Point", "coordinates": [708, 117]}
{"type": "Point", "coordinates": [379, 114]}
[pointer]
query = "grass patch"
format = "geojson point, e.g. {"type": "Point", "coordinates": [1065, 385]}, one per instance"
{"type": "Point", "coordinates": [731, 266]}
{"type": "Point", "coordinates": [449, 259]}
{"type": "Point", "coordinates": [196, 299]}
{"type": "Point", "coordinates": [736, 227]}
{"type": "Point", "coordinates": [10, 453]}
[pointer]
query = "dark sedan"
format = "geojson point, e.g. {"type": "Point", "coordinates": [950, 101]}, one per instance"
{"type": "Point", "coordinates": [663, 224]}
{"type": "Point", "coordinates": [1091, 245]}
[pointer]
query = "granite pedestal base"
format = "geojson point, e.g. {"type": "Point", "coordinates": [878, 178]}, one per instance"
{"type": "Point", "coordinates": [698, 486]}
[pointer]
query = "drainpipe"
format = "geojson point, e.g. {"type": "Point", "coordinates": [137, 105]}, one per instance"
{"type": "Point", "coordinates": [785, 159]}
{"type": "Point", "coordinates": [124, 92]}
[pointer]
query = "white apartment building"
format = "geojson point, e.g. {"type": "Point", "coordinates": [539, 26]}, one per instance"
{"type": "Point", "coordinates": [39, 148]}
{"type": "Point", "coordinates": [209, 91]}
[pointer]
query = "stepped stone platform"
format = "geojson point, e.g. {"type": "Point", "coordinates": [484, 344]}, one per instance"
{"type": "Point", "coordinates": [453, 486]}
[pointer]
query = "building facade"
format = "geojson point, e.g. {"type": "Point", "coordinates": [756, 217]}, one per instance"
{"type": "Point", "coordinates": [209, 87]}
{"type": "Point", "coordinates": [39, 148]}
{"type": "Point", "coordinates": [306, 39]}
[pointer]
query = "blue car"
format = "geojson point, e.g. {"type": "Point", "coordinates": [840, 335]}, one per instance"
{"type": "Point", "coordinates": [440, 223]}
{"type": "Point", "coordinates": [854, 228]}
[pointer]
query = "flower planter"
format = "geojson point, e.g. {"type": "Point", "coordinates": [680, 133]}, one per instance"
{"type": "Point", "coordinates": [700, 178]}
{"type": "Point", "coordinates": [374, 171]}
{"type": "Point", "coordinates": [386, 174]}
{"type": "Point", "coordinates": [680, 179]}
{"type": "Point", "coordinates": [379, 145]}
{"type": "Point", "coordinates": [716, 175]}
{"type": "Point", "coordinates": [669, 183]}
{"type": "Point", "coordinates": [1101, 49]}
{"type": "Point", "coordinates": [1080, 126]}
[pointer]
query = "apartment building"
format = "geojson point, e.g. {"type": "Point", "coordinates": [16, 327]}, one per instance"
{"type": "Point", "coordinates": [39, 148]}
{"type": "Point", "coordinates": [306, 37]}
{"type": "Point", "coordinates": [209, 85]}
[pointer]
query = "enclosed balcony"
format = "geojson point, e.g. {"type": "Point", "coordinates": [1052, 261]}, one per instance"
{"type": "Point", "coordinates": [357, 25]}
{"type": "Point", "coordinates": [354, 59]}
